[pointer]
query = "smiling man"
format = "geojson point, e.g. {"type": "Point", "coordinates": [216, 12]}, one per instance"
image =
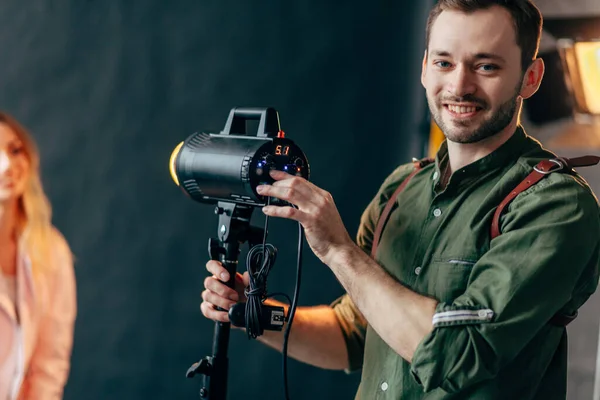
{"type": "Point", "coordinates": [439, 305]}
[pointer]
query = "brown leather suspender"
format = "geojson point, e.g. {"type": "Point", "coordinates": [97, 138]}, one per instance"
{"type": "Point", "coordinates": [419, 164]}
{"type": "Point", "coordinates": [546, 167]}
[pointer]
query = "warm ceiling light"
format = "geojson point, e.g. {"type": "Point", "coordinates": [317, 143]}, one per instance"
{"type": "Point", "coordinates": [581, 64]}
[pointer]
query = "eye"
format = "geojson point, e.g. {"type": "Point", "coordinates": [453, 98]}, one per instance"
{"type": "Point", "coordinates": [442, 64]}
{"type": "Point", "coordinates": [488, 67]}
{"type": "Point", "coordinates": [16, 150]}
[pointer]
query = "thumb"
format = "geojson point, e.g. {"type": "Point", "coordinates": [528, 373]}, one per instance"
{"type": "Point", "coordinates": [246, 279]}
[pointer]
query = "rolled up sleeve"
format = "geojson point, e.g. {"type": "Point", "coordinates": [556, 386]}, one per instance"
{"type": "Point", "coordinates": [544, 262]}
{"type": "Point", "coordinates": [354, 328]}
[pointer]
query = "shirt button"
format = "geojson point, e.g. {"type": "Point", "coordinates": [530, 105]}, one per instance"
{"type": "Point", "coordinates": [384, 386]}
{"type": "Point", "coordinates": [435, 175]}
{"type": "Point", "coordinates": [417, 270]}
{"type": "Point", "coordinates": [437, 212]}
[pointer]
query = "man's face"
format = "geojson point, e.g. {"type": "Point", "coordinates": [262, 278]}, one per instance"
{"type": "Point", "coordinates": [472, 73]}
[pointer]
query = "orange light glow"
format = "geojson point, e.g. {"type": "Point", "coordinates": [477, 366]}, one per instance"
{"type": "Point", "coordinates": [172, 160]}
{"type": "Point", "coordinates": [588, 60]}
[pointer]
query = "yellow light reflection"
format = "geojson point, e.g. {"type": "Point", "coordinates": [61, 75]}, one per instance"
{"type": "Point", "coordinates": [172, 163]}
{"type": "Point", "coordinates": [436, 137]}
{"type": "Point", "coordinates": [588, 60]}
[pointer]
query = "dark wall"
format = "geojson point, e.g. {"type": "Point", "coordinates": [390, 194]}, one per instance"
{"type": "Point", "coordinates": [109, 88]}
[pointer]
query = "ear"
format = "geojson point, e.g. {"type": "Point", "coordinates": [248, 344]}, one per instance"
{"type": "Point", "coordinates": [424, 68]}
{"type": "Point", "coordinates": [532, 78]}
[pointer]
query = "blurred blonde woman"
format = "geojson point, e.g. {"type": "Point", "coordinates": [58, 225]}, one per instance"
{"type": "Point", "coordinates": [37, 283]}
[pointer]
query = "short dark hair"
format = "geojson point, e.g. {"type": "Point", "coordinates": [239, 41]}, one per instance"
{"type": "Point", "coordinates": [526, 17]}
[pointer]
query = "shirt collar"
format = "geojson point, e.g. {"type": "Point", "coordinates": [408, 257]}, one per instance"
{"type": "Point", "coordinates": [503, 155]}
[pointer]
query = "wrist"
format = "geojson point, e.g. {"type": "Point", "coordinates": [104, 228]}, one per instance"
{"type": "Point", "coordinates": [345, 257]}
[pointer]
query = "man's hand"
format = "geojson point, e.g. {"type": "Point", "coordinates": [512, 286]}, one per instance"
{"type": "Point", "coordinates": [218, 294]}
{"type": "Point", "coordinates": [316, 211]}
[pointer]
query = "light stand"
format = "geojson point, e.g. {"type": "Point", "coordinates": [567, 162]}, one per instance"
{"type": "Point", "coordinates": [225, 169]}
{"type": "Point", "coordinates": [234, 229]}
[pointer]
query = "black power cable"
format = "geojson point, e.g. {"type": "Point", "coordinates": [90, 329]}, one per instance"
{"type": "Point", "coordinates": [259, 261]}
{"type": "Point", "coordinates": [292, 310]}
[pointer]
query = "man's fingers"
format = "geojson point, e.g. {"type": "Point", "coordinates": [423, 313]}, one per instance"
{"type": "Point", "coordinates": [209, 312]}
{"type": "Point", "coordinates": [214, 285]}
{"type": "Point", "coordinates": [217, 269]}
{"type": "Point", "coordinates": [293, 195]}
{"type": "Point", "coordinates": [217, 300]}
{"type": "Point", "coordinates": [281, 175]}
{"type": "Point", "coordinates": [293, 189]}
{"type": "Point", "coordinates": [295, 182]}
{"type": "Point", "coordinates": [284, 212]}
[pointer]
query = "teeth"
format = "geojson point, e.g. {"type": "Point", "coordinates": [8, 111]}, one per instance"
{"type": "Point", "coordinates": [461, 109]}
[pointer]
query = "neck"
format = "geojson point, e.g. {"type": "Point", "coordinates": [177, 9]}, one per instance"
{"type": "Point", "coordinates": [8, 221]}
{"type": "Point", "coordinates": [463, 154]}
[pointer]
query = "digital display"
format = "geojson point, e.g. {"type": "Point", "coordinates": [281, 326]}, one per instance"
{"type": "Point", "coordinates": [281, 150]}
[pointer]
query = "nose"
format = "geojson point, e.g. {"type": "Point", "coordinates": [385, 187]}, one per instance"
{"type": "Point", "coordinates": [461, 82]}
{"type": "Point", "coordinates": [4, 162]}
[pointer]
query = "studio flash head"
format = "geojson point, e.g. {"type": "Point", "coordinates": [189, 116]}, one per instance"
{"type": "Point", "coordinates": [228, 166]}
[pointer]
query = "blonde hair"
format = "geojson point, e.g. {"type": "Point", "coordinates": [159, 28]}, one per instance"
{"type": "Point", "coordinates": [34, 221]}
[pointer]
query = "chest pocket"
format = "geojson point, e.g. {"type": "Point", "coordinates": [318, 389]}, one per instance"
{"type": "Point", "coordinates": [449, 277]}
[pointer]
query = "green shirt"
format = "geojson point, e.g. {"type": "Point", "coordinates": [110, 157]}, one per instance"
{"type": "Point", "coordinates": [491, 336]}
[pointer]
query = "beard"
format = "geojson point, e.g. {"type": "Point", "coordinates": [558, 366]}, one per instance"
{"type": "Point", "coordinates": [467, 131]}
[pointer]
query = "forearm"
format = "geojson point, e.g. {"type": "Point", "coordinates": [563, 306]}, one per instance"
{"type": "Point", "coordinates": [315, 338]}
{"type": "Point", "coordinates": [401, 317]}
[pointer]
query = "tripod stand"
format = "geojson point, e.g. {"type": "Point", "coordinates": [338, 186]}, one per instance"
{"type": "Point", "coordinates": [234, 229]}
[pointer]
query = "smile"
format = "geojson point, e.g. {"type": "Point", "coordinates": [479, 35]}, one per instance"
{"type": "Point", "coordinates": [462, 111]}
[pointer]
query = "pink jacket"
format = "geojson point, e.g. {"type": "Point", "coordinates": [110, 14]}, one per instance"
{"type": "Point", "coordinates": [46, 304]}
